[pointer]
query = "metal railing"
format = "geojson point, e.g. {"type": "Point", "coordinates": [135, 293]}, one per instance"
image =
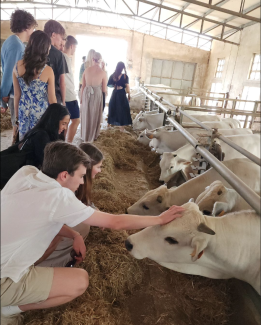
{"type": "Point", "coordinates": [247, 193]}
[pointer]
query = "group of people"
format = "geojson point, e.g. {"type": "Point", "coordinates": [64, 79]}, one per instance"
{"type": "Point", "coordinates": [46, 206]}
{"type": "Point", "coordinates": [40, 74]}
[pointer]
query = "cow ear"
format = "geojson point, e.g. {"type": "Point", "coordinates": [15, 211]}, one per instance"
{"type": "Point", "coordinates": [198, 245]}
{"type": "Point", "coordinates": [159, 199]}
{"type": "Point", "coordinates": [219, 207]}
{"type": "Point", "coordinates": [202, 227]}
{"type": "Point", "coordinates": [187, 163]}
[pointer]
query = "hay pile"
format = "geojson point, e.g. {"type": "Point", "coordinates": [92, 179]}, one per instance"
{"type": "Point", "coordinates": [5, 120]}
{"type": "Point", "coordinates": [121, 286]}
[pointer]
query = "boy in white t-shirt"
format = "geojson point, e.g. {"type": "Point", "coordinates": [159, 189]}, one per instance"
{"type": "Point", "coordinates": [38, 209]}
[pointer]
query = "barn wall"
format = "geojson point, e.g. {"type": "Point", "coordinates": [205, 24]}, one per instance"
{"type": "Point", "coordinates": [141, 49]}
{"type": "Point", "coordinates": [237, 61]}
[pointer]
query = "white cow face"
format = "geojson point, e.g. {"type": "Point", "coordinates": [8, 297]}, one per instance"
{"type": "Point", "coordinates": [143, 138]}
{"type": "Point", "coordinates": [152, 203]}
{"type": "Point", "coordinates": [170, 164]}
{"type": "Point", "coordinates": [217, 199]}
{"type": "Point", "coordinates": [181, 241]}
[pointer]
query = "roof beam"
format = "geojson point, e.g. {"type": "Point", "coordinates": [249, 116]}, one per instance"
{"type": "Point", "coordinates": [249, 9]}
{"type": "Point", "coordinates": [186, 13]}
{"type": "Point", "coordinates": [221, 3]}
{"type": "Point", "coordinates": [226, 11]}
{"type": "Point", "coordinates": [170, 27]}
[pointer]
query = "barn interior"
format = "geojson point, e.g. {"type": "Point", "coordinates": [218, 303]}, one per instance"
{"type": "Point", "coordinates": [207, 50]}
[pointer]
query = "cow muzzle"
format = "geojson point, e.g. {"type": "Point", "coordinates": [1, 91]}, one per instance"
{"type": "Point", "coordinates": [128, 245]}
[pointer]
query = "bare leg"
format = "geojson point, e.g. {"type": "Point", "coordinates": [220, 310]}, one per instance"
{"type": "Point", "coordinates": [122, 128]}
{"type": "Point", "coordinates": [67, 284]}
{"type": "Point", "coordinates": [72, 129]}
{"type": "Point", "coordinates": [50, 249]}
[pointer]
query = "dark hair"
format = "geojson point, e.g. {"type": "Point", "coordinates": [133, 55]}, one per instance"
{"type": "Point", "coordinates": [120, 66]}
{"type": "Point", "coordinates": [50, 122]}
{"type": "Point", "coordinates": [70, 41]}
{"type": "Point", "coordinates": [35, 55]}
{"type": "Point", "coordinates": [21, 20]}
{"type": "Point", "coordinates": [84, 58]}
{"type": "Point", "coordinates": [61, 156]}
{"type": "Point", "coordinates": [84, 191]}
{"type": "Point", "coordinates": [52, 26]}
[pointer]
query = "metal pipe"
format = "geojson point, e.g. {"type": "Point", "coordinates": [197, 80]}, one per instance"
{"type": "Point", "coordinates": [195, 120]}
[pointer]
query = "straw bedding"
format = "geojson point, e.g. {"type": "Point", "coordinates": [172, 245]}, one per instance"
{"type": "Point", "coordinates": [5, 120]}
{"type": "Point", "coordinates": [119, 284]}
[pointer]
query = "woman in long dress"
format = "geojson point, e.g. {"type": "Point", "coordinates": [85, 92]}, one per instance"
{"type": "Point", "coordinates": [94, 84]}
{"type": "Point", "coordinates": [119, 108]}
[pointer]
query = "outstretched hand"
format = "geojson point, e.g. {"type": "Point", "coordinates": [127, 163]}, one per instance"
{"type": "Point", "coordinates": [171, 214]}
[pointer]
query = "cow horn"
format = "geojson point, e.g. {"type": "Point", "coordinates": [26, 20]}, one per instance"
{"type": "Point", "coordinates": [202, 227]}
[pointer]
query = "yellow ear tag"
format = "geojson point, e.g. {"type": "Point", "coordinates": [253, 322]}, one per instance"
{"type": "Point", "coordinates": [221, 214]}
{"type": "Point", "coordinates": [150, 136]}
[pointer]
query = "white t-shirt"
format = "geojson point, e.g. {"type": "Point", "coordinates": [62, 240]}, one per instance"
{"type": "Point", "coordinates": [34, 207]}
{"type": "Point", "coordinates": [70, 94]}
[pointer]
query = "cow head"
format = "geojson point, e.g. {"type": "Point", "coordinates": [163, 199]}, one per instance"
{"type": "Point", "coordinates": [170, 164]}
{"type": "Point", "coordinates": [217, 199]}
{"type": "Point", "coordinates": [152, 203]}
{"type": "Point", "coordinates": [142, 138]}
{"type": "Point", "coordinates": [181, 241]}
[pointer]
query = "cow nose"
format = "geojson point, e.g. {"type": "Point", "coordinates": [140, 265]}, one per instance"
{"type": "Point", "coordinates": [128, 245]}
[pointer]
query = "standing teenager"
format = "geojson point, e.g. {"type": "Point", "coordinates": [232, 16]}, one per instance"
{"type": "Point", "coordinates": [56, 59]}
{"type": "Point", "coordinates": [70, 97]}
{"type": "Point", "coordinates": [38, 207]}
{"type": "Point", "coordinates": [119, 108]}
{"type": "Point", "coordinates": [22, 24]}
{"type": "Point", "coordinates": [33, 83]}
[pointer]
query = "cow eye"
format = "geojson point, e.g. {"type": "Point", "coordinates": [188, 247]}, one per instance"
{"type": "Point", "coordinates": [141, 136]}
{"type": "Point", "coordinates": [171, 167]}
{"type": "Point", "coordinates": [145, 207]}
{"type": "Point", "coordinates": [171, 240]}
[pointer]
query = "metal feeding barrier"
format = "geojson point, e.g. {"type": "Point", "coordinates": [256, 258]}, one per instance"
{"type": "Point", "coordinates": [247, 193]}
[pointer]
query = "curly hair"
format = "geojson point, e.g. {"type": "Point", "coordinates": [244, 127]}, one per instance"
{"type": "Point", "coordinates": [35, 55]}
{"type": "Point", "coordinates": [21, 20]}
{"type": "Point", "coordinates": [52, 26]}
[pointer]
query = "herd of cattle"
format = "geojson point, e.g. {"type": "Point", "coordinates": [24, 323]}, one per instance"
{"type": "Point", "coordinates": [218, 235]}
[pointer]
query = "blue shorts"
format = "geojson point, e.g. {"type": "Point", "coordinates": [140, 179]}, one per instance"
{"type": "Point", "coordinates": [73, 108]}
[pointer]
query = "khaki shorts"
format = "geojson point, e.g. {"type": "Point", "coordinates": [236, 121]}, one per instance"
{"type": "Point", "coordinates": [33, 287]}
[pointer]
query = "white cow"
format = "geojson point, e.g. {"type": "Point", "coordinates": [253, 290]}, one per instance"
{"type": "Point", "coordinates": [148, 120]}
{"type": "Point", "coordinates": [143, 137]}
{"type": "Point", "coordinates": [202, 118]}
{"type": "Point", "coordinates": [233, 121]}
{"type": "Point", "coordinates": [212, 125]}
{"type": "Point", "coordinates": [172, 162]}
{"type": "Point", "coordinates": [156, 201]}
{"type": "Point", "coordinates": [171, 141]}
{"type": "Point", "coordinates": [217, 248]}
{"type": "Point", "coordinates": [218, 199]}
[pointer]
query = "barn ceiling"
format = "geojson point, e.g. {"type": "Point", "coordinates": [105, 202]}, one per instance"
{"type": "Point", "coordinates": [192, 22]}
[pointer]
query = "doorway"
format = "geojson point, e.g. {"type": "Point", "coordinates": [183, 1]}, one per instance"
{"type": "Point", "coordinates": [112, 50]}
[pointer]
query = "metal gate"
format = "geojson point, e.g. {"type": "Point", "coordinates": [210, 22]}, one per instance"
{"type": "Point", "coordinates": [175, 74]}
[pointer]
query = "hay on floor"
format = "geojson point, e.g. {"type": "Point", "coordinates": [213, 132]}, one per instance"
{"type": "Point", "coordinates": [129, 170]}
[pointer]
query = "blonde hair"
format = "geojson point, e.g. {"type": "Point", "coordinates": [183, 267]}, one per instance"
{"type": "Point", "coordinates": [90, 56]}
{"type": "Point", "coordinates": [97, 57]}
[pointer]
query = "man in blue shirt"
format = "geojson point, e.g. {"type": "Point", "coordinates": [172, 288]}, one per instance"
{"type": "Point", "coordinates": [22, 24]}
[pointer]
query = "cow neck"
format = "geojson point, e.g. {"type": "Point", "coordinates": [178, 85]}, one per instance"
{"type": "Point", "coordinates": [235, 246]}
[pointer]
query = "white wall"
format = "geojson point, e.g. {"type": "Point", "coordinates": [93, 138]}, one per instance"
{"type": "Point", "coordinates": [237, 61]}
